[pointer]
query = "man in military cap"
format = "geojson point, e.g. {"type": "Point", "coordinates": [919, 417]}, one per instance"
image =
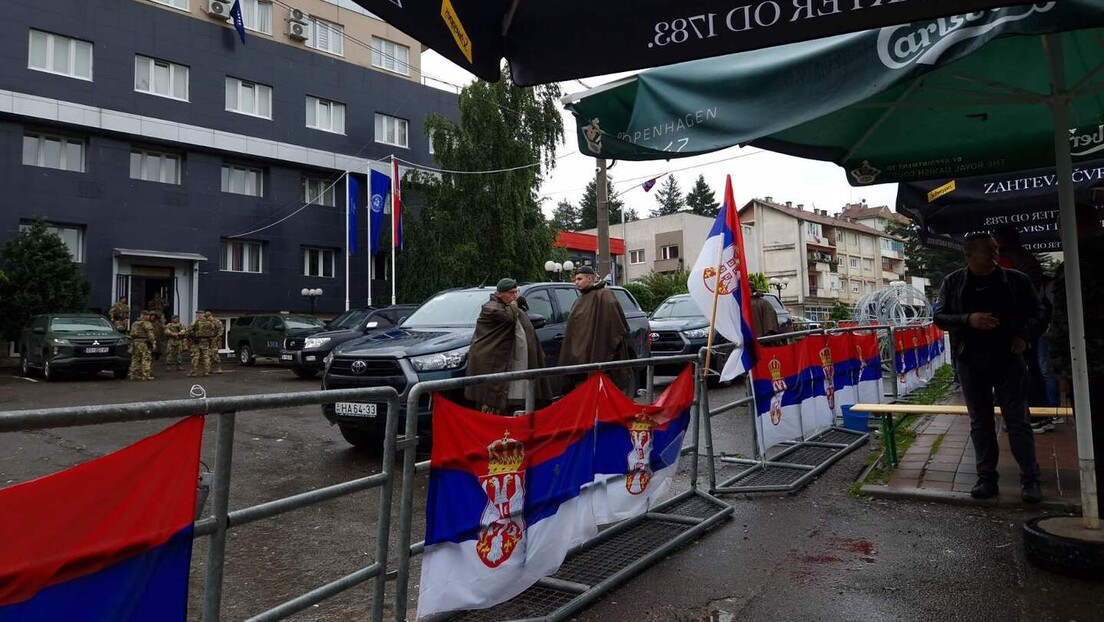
{"type": "Point", "coordinates": [597, 331]}
{"type": "Point", "coordinates": [174, 333]}
{"type": "Point", "coordinates": [119, 314]}
{"type": "Point", "coordinates": [142, 342]}
{"type": "Point", "coordinates": [214, 340]}
{"type": "Point", "coordinates": [201, 356]}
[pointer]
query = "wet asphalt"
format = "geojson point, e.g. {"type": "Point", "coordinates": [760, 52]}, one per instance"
{"type": "Point", "coordinates": [818, 554]}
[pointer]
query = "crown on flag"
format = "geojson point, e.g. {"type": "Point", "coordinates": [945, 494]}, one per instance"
{"type": "Point", "coordinates": [505, 455]}
{"type": "Point", "coordinates": [826, 356]}
{"type": "Point", "coordinates": [641, 423]}
{"type": "Point", "coordinates": [775, 367]}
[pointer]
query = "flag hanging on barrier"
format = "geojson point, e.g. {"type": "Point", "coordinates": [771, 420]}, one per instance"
{"type": "Point", "coordinates": [778, 389]}
{"type": "Point", "coordinates": [817, 370]}
{"type": "Point", "coordinates": [110, 539]}
{"type": "Point", "coordinates": [868, 372]}
{"type": "Point", "coordinates": [841, 381]}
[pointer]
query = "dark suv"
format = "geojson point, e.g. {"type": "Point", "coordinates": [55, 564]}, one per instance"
{"type": "Point", "coordinates": [253, 336]}
{"type": "Point", "coordinates": [304, 353]}
{"type": "Point", "coordinates": [432, 344]}
{"type": "Point", "coordinates": [79, 342]}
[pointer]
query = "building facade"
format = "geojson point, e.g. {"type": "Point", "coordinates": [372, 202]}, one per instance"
{"type": "Point", "coordinates": [582, 250]}
{"type": "Point", "coordinates": [175, 159]}
{"type": "Point", "coordinates": [661, 244]}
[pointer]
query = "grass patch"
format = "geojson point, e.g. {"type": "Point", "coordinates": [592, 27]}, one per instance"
{"type": "Point", "coordinates": [937, 444]}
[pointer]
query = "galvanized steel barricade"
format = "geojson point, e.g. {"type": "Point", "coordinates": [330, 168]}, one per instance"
{"type": "Point", "coordinates": [568, 595]}
{"type": "Point", "coordinates": [222, 519]}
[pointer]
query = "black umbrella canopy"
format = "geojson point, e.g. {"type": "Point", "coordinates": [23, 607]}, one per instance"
{"type": "Point", "coordinates": [555, 41]}
{"type": "Point", "coordinates": [948, 209]}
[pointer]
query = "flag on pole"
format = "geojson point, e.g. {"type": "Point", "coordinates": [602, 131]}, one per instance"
{"type": "Point", "coordinates": [396, 207]}
{"type": "Point", "coordinates": [650, 183]}
{"type": "Point", "coordinates": [381, 189]}
{"type": "Point", "coordinates": [239, 22]}
{"type": "Point", "coordinates": [354, 192]}
{"type": "Point", "coordinates": [719, 274]}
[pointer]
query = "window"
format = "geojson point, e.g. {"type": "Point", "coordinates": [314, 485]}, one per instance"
{"type": "Point", "coordinates": [812, 228]}
{"type": "Point", "coordinates": [853, 239]}
{"type": "Point", "coordinates": [391, 130]}
{"type": "Point", "coordinates": [319, 191]}
{"type": "Point", "coordinates": [52, 151]}
{"type": "Point", "coordinates": [390, 56]}
{"type": "Point", "coordinates": [248, 98]}
{"type": "Point", "coordinates": [566, 297]}
{"type": "Point", "coordinates": [868, 245]}
{"type": "Point", "coordinates": [868, 265]}
{"type": "Point", "coordinates": [318, 262]}
{"type": "Point", "coordinates": [636, 257]}
{"type": "Point", "coordinates": [627, 302]}
{"type": "Point", "coordinates": [429, 138]}
{"type": "Point", "coordinates": [257, 15]}
{"type": "Point", "coordinates": [669, 252]}
{"type": "Point", "coordinates": [155, 166]}
{"type": "Point", "coordinates": [160, 77]}
{"type": "Point", "coordinates": [891, 245]}
{"type": "Point", "coordinates": [238, 256]}
{"type": "Point", "coordinates": [242, 180]}
{"type": "Point", "coordinates": [839, 235]}
{"type": "Point", "coordinates": [854, 287]}
{"type": "Point", "coordinates": [854, 263]}
{"type": "Point", "coordinates": [868, 288]}
{"type": "Point", "coordinates": [326, 36]}
{"type": "Point", "coordinates": [61, 55]}
{"type": "Point", "coordinates": [72, 236]}
{"type": "Point", "coordinates": [325, 115]}
{"type": "Point", "coordinates": [540, 304]}
{"type": "Point", "coordinates": [176, 4]}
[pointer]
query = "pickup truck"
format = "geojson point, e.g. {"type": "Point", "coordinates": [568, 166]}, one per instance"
{"type": "Point", "coordinates": [72, 342]}
{"type": "Point", "coordinates": [253, 336]}
{"type": "Point", "coordinates": [305, 354]}
{"type": "Point", "coordinates": [432, 344]}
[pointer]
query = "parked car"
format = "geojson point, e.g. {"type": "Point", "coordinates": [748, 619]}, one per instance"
{"type": "Point", "coordinates": [679, 327]}
{"type": "Point", "coordinates": [432, 344]}
{"type": "Point", "coordinates": [253, 336]}
{"type": "Point", "coordinates": [785, 321]}
{"type": "Point", "coordinates": [56, 343]}
{"type": "Point", "coordinates": [304, 354]}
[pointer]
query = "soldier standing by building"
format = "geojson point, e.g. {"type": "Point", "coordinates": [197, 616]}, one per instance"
{"type": "Point", "coordinates": [215, 340]}
{"type": "Point", "coordinates": [156, 309]}
{"type": "Point", "coordinates": [142, 343]}
{"type": "Point", "coordinates": [174, 333]}
{"type": "Point", "coordinates": [120, 315]}
{"type": "Point", "coordinates": [200, 344]}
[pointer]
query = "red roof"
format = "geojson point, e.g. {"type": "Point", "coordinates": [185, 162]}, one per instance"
{"type": "Point", "coordinates": [586, 242]}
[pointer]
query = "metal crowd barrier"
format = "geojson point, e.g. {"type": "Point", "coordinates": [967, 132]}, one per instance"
{"type": "Point", "coordinates": [222, 519]}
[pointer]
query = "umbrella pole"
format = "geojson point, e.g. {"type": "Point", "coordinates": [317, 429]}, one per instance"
{"type": "Point", "coordinates": [1059, 107]}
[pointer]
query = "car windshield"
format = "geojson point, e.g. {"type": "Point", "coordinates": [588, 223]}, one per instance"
{"type": "Point", "coordinates": [302, 322]}
{"type": "Point", "coordinates": [458, 308]}
{"type": "Point", "coordinates": [677, 307]}
{"type": "Point", "coordinates": [79, 324]}
{"type": "Point", "coordinates": [353, 318]}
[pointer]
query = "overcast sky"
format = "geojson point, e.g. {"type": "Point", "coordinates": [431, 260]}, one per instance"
{"type": "Point", "coordinates": [754, 173]}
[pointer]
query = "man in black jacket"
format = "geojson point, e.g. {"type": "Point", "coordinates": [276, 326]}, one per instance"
{"type": "Point", "coordinates": [992, 314]}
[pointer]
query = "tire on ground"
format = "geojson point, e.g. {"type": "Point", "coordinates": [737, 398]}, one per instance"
{"type": "Point", "coordinates": [362, 439]}
{"type": "Point", "coordinates": [1060, 554]}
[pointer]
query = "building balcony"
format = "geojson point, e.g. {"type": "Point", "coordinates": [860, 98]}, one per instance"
{"type": "Point", "coordinates": [822, 242]}
{"type": "Point", "coordinates": [892, 276]}
{"type": "Point", "coordinates": [891, 254]}
{"type": "Point", "coordinates": [824, 292]}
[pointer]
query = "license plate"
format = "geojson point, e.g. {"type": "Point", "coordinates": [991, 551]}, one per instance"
{"type": "Point", "coordinates": [312, 358]}
{"type": "Point", "coordinates": [97, 350]}
{"type": "Point", "coordinates": [287, 357]}
{"type": "Point", "coordinates": [353, 409]}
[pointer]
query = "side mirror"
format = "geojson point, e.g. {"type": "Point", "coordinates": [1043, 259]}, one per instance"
{"type": "Point", "coordinates": [38, 330]}
{"type": "Point", "coordinates": [537, 320]}
{"type": "Point", "coordinates": [371, 325]}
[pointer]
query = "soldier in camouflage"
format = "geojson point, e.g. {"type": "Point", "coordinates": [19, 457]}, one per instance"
{"type": "Point", "coordinates": [200, 343]}
{"type": "Point", "coordinates": [174, 333]}
{"type": "Point", "coordinates": [142, 342]}
{"type": "Point", "coordinates": [214, 341]}
{"type": "Point", "coordinates": [156, 308]}
{"type": "Point", "coordinates": [120, 315]}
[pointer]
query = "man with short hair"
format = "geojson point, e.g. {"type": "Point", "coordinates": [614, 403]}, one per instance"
{"type": "Point", "coordinates": [992, 314]}
{"type": "Point", "coordinates": [214, 340]}
{"type": "Point", "coordinates": [174, 334]}
{"type": "Point", "coordinates": [201, 343]}
{"type": "Point", "coordinates": [597, 331]}
{"type": "Point", "coordinates": [119, 314]}
{"type": "Point", "coordinates": [143, 341]}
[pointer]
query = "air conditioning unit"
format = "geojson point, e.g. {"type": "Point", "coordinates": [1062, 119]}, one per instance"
{"type": "Point", "coordinates": [298, 15]}
{"type": "Point", "coordinates": [297, 31]}
{"type": "Point", "coordinates": [218, 9]}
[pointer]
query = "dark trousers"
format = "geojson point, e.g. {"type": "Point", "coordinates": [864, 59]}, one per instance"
{"type": "Point", "coordinates": [1004, 374]}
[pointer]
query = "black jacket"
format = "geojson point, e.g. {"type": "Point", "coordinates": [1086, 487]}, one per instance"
{"type": "Point", "coordinates": [1024, 320]}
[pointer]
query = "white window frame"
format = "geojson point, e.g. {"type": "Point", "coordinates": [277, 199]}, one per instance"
{"type": "Point", "coordinates": [839, 235]}
{"type": "Point", "coordinates": [665, 252]}
{"type": "Point", "coordinates": [60, 230]}
{"type": "Point", "coordinates": [336, 111]}
{"type": "Point", "coordinates": [176, 4]}
{"type": "Point", "coordinates": [173, 161]}
{"type": "Point", "coordinates": [855, 287]}
{"type": "Point", "coordinates": [854, 263]}
{"type": "Point", "coordinates": [52, 41]}
{"type": "Point", "coordinates": [64, 142]}
{"type": "Point", "coordinates": [319, 191]}
{"type": "Point", "coordinates": [250, 249]}
{"type": "Point", "coordinates": [385, 56]}
{"type": "Point", "coordinates": [241, 88]}
{"type": "Point", "coordinates": [812, 228]}
{"type": "Point", "coordinates": [853, 239]}
{"type": "Point", "coordinates": [868, 264]}
{"type": "Point", "coordinates": [257, 15]}
{"type": "Point", "coordinates": [636, 257]}
{"type": "Point", "coordinates": [334, 36]}
{"type": "Point", "coordinates": [151, 65]}
{"type": "Point", "coordinates": [326, 256]}
{"type": "Point", "coordinates": [227, 181]}
{"type": "Point", "coordinates": [868, 287]}
{"type": "Point", "coordinates": [382, 130]}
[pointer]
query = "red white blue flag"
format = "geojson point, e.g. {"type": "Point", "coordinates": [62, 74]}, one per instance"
{"type": "Point", "coordinates": [648, 185]}
{"type": "Point", "coordinates": [396, 208]}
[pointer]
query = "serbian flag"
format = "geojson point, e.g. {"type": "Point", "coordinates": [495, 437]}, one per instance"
{"type": "Point", "coordinates": [638, 448]}
{"type": "Point", "coordinates": [868, 372]}
{"type": "Point", "coordinates": [841, 384]}
{"type": "Point", "coordinates": [719, 274]}
{"type": "Point", "coordinates": [110, 539]}
{"type": "Point", "coordinates": [396, 208]}
{"type": "Point", "coordinates": [779, 387]}
{"type": "Point", "coordinates": [505, 500]}
{"type": "Point", "coordinates": [816, 365]}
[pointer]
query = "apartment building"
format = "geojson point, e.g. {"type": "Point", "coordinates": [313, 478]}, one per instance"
{"type": "Point", "coordinates": [173, 158]}
{"type": "Point", "coordinates": [660, 244]}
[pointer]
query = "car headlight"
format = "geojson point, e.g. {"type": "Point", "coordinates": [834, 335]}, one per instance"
{"type": "Point", "coordinates": [59, 342]}
{"type": "Point", "coordinates": [696, 333]}
{"type": "Point", "coordinates": [452, 359]}
{"type": "Point", "coordinates": [326, 361]}
{"type": "Point", "coordinates": [313, 343]}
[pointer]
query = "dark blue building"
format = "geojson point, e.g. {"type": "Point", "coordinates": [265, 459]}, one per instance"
{"type": "Point", "coordinates": [175, 159]}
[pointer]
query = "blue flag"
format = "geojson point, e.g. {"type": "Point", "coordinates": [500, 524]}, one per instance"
{"type": "Point", "coordinates": [354, 191]}
{"type": "Point", "coordinates": [381, 187]}
{"type": "Point", "coordinates": [239, 22]}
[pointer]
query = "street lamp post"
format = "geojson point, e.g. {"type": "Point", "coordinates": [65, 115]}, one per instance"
{"type": "Point", "coordinates": [556, 268]}
{"type": "Point", "coordinates": [779, 284]}
{"type": "Point", "coordinates": [311, 295]}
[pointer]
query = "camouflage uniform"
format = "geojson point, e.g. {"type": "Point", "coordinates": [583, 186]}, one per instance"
{"type": "Point", "coordinates": [156, 308]}
{"type": "Point", "coordinates": [142, 343]}
{"type": "Point", "coordinates": [214, 342]}
{"type": "Point", "coordinates": [174, 331]}
{"type": "Point", "coordinates": [120, 316]}
{"type": "Point", "coordinates": [201, 341]}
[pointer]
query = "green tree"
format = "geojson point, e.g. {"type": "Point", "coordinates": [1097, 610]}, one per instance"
{"type": "Point", "coordinates": [701, 199]}
{"type": "Point", "coordinates": [840, 312]}
{"type": "Point", "coordinates": [925, 261]}
{"type": "Point", "coordinates": [41, 277]}
{"type": "Point", "coordinates": [477, 227]}
{"type": "Point", "coordinates": [588, 207]}
{"type": "Point", "coordinates": [669, 198]}
{"type": "Point", "coordinates": [655, 287]}
{"type": "Point", "coordinates": [566, 217]}
{"type": "Point", "coordinates": [759, 281]}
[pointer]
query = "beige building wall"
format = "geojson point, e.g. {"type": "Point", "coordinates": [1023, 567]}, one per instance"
{"type": "Point", "coordinates": [648, 237]}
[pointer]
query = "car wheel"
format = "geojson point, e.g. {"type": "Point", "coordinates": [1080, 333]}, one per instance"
{"type": "Point", "coordinates": [245, 355]}
{"type": "Point", "coordinates": [120, 373]}
{"type": "Point", "coordinates": [48, 372]}
{"type": "Point", "coordinates": [362, 439]}
{"type": "Point", "coordinates": [304, 372]}
{"type": "Point", "coordinates": [25, 366]}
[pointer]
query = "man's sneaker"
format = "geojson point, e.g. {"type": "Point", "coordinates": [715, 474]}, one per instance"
{"type": "Point", "coordinates": [1042, 426]}
{"type": "Point", "coordinates": [1032, 493]}
{"type": "Point", "coordinates": [984, 489]}
{"type": "Point", "coordinates": [1058, 420]}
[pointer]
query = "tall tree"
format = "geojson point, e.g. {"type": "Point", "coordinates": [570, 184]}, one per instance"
{"type": "Point", "coordinates": [925, 261]}
{"type": "Point", "coordinates": [481, 227]}
{"type": "Point", "coordinates": [669, 198]}
{"type": "Point", "coordinates": [566, 217]}
{"type": "Point", "coordinates": [701, 199]}
{"type": "Point", "coordinates": [41, 277]}
{"type": "Point", "coordinates": [588, 207]}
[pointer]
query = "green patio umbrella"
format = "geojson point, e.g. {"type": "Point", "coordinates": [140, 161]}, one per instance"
{"type": "Point", "coordinates": [1001, 90]}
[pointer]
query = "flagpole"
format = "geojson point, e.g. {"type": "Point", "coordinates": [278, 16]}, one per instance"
{"type": "Point", "coordinates": [713, 315]}
{"type": "Point", "coordinates": [369, 249]}
{"type": "Point", "coordinates": [394, 224]}
{"type": "Point", "coordinates": [348, 234]}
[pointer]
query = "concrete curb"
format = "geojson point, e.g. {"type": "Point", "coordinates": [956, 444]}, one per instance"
{"type": "Point", "coordinates": [964, 498]}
